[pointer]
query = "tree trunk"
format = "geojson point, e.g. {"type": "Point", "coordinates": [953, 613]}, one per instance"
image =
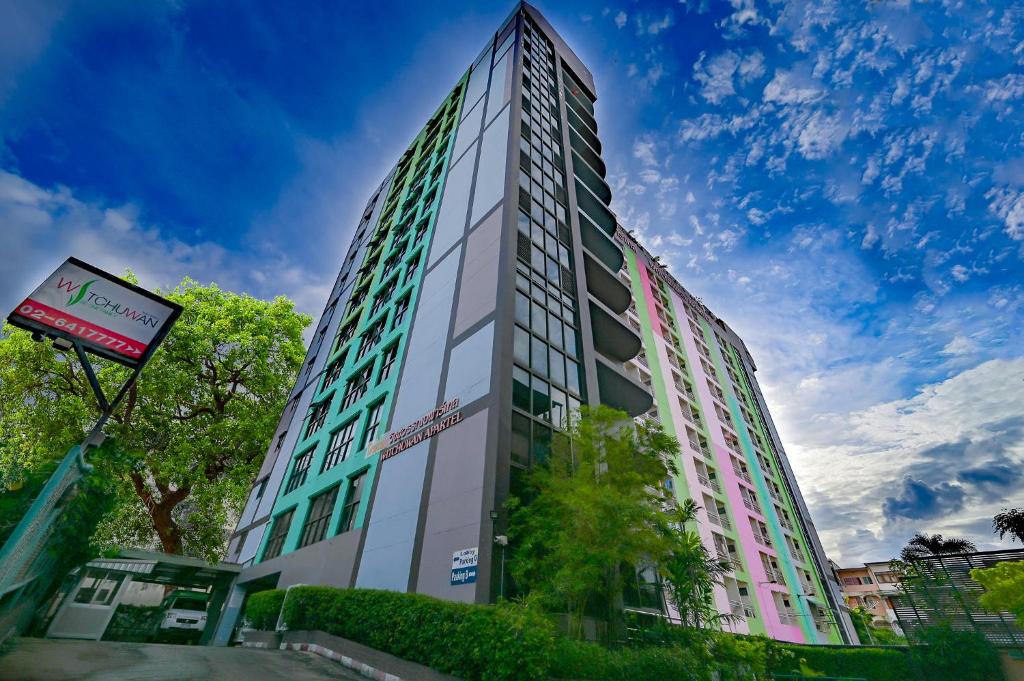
{"type": "Point", "coordinates": [166, 529]}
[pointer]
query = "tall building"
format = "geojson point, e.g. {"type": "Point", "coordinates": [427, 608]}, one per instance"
{"type": "Point", "coordinates": [485, 295]}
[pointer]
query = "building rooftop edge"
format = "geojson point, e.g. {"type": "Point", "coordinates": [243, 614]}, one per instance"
{"type": "Point", "coordinates": [627, 237]}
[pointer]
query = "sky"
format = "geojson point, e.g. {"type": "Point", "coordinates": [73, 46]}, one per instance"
{"type": "Point", "coordinates": [842, 182]}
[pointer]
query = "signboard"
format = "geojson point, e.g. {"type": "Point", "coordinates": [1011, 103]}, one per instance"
{"type": "Point", "coordinates": [417, 431]}
{"type": "Point", "coordinates": [106, 315]}
{"type": "Point", "coordinates": [464, 566]}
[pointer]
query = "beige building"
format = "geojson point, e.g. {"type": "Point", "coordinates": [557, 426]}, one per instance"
{"type": "Point", "coordinates": [872, 587]}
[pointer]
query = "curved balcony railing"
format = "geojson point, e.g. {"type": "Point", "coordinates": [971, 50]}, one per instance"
{"type": "Point", "coordinates": [582, 107]}
{"type": "Point", "coordinates": [585, 132]}
{"type": "Point", "coordinates": [587, 153]}
{"type": "Point", "coordinates": [612, 338]}
{"type": "Point", "coordinates": [605, 286]}
{"type": "Point", "coordinates": [593, 181]}
{"type": "Point", "coordinates": [596, 241]}
{"type": "Point", "coordinates": [619, 391]}
{"type": "Point", "coordinates": [595, 210]}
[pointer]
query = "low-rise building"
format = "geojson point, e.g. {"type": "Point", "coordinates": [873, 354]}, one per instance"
{"type": "Point", "coordinates": [872, 587]}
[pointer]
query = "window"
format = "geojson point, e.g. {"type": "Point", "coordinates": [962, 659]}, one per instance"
{"type": "Point", "coordinates": [388, 361]}
{"type": "Point", "coordinates": [356, 388]}
{"type": "Point", "coordinates": [372, 423]}
{"type": "Point", "coordinates": [317, 414]}
{"type": "Point", "coordinates": [339, 446]}
{"type": "Point", "coordinates": [348, 511]}
{"type": "Point", "coordinates": [299, 471]}
{"type": "Point", "coordinates": [401, 307]}
{"type": "Point", "coordinates": [345, 335]}
{"type": "Point", "coordinates": [333, 372]}
{"type": "Point", "coordinates": [370, 339]}
{"type": "Point", "coordinates": [98, 587]}
{"type": "Point", "coordinates": [278, 533]}
{"type": "Point", "coordinates": [383, 297]}
{"type": "Point", "coordinates": [320, 509]}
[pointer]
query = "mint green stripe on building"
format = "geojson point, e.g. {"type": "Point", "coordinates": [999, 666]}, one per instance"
{"type": "Point", "coordinates": [792, 578]}
{"type": "Point", "coordinates": [788, 503]}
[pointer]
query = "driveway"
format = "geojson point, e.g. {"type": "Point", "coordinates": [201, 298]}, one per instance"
{"type": "Point", "coordinates": [36, 659]}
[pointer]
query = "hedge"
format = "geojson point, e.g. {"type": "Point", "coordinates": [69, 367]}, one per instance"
{"type": "Point", "coordinates": [874, 664]}
{"type": "Point", "coordinates": [579, 661]}
{"type": "Point", "coordinates": [262, 609]}
{"type": "Point", "coordinates": [474, 642]}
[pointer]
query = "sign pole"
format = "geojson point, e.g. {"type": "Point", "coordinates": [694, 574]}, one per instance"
{"type": "Point", "coordinates": [85, 309]}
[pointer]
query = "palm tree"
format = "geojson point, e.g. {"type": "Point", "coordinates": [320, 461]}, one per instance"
{"type": "Point", "coordinates": [921, 545]}
{"type": "Point", "coordinates": [1010, 521]}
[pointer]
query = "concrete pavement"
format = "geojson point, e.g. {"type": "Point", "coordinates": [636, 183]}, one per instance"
{"type": "Point", "coordinates": [63, 660]}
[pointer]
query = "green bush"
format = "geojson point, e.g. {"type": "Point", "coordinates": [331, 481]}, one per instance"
{"type": "Point", "coordinates": [582, 660]}
{"type": "Point", "coordinates": [941, 653]}
{"type": "Point", "coordinates": [263, 608]}
{"type": "Point", "coordinates": [873, 664]}
{"type": "Point", "coordinates": [475, 642]}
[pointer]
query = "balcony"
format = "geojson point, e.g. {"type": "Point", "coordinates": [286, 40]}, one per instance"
{"type": "Point", "coordinates": [588, 154]}
{"type": "Point", "coordinates": [762, 538]}
{"type": "Point", "coordinates": [594, 209]}
{"type": "Point", "coordinates": [605, 285]}
{"type": "Point", "coordinates": [600, 245]}
{"type": "Point", "coordinates": [719, 520]}
{"type": "Point", "coordinates": [708, 482]}
{"type": "Point", "coordinates": [593, 181]}
{"type": "Point", "coordinates": [619, 391]}
{"type": "Point", "coordinates": [612, 338]}
{"type": "Point", "coordinates": [752, 505]}
{"type": "Point", "coordinates": [773, 575]}
{"type": "Point", "coordinates": [582, 108]}
{"type": "Point", "coordinates": [585, 132]}
{"type": "Point", "coordinates": [743, 475]}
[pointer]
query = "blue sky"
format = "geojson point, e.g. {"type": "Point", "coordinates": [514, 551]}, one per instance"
{"type": "Point", "coordinates": [842, 182]}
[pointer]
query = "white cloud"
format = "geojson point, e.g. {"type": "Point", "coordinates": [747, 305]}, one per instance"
{"type": "Point", "coordinates": [45, 226]}
{"type": "Point", "coordinates": [643, 150]}
{"type": "Point", "coordinates": [787, 87]}
{"type": "Point", "coordinates": [620, 19]}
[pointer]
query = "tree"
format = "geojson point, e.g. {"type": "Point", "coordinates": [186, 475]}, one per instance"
{"type": "Point", "coordinates": [1004, 588]}
{"type": "Point", "coordinates": [690, 572]}
{"type": "Point", "coordinates": [1010, 521]}
{"type": "Point", "coordinates": [190, 435]}
{"type": "Point", "coordinates": [921, 545]}
{"type": "Point", "coordinates": [597, 506]}
{"type": "Point", "coordinates": [598, 510]}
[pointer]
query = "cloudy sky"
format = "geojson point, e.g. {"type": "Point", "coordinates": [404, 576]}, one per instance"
{"type": "Point", "coordinates": [842, 182]}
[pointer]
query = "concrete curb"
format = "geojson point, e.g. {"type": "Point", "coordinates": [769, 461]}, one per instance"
{"type": "Point", "coordinates": [344, 660]}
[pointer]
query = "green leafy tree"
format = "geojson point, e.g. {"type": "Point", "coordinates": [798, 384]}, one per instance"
{"type": "Point", "coordinates": [599, 509]}
{"type": "Point", "coordinates": [1004, 588]}
{"type": "Point", "coordinates": [921, 545]}
{"type": "Point", "coordinates": [1011, 522]}
{"type": "Point", "coordinates": [690, 572]}
{"type": "Point", "coordinates": [189, 436]}
{"type": "Point", "coordinates": [597, 506]}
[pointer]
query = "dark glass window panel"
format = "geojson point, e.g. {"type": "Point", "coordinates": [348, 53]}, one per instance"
{"type": "Point", "coordinates": [555, 331]}
{"type": "Point", "coordinates": [553, 270]}
{"type": "Point", "coordinates": [537, 259]}
{"type": "Point", "coordinates": [556, 366]}
{"type": "Point", "coordinates": [570, 340]}
{"type": "Point", "coordinates": [538, 319]}
{"type": "Point", "coordinates": [522, 309]}
{"type": "Point", "coordinates": [349, 510]}
{"type": "Point", "coordinates": [524, 222]}
{"type": "Point", "coordinates": [520, 389]}
{"type": "Point", "coordinates": [278, 533]}
{"type": "Point", "coordinates": [541, 399]}
{"type": "Point", "coordinates": [540, 356]}
{"type": "Point", "coordinates": [320, 509]}
{"type": "Point", "coordinates": [521, 346]}
{"type": "Point", "coordinates": [521, 439]}
{"type": "Point", "coordinates": [558, 408]}
{"type": "Point", "coordinates": [541, 444]}
{"type": "Point", "coordinates": [572, 376]}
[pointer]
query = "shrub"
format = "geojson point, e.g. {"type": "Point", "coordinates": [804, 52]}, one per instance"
{"type": "Point", "coordinates": [476, 642]}
{"type": "Point", "coordinates": [263, 608]}
{"type": "Point", "coordinates": [874, 664]}
{"type": "Point", "coordinates": [582, 660]}
{"type": "Point", "coordinates": [941, 653]}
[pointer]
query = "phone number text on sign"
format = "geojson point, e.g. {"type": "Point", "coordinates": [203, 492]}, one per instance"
{"type": "Point", "coordinates": [44, 314]}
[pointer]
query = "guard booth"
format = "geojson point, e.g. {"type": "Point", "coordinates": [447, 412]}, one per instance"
{"type": "Point", "coordinates": [88, 602]}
